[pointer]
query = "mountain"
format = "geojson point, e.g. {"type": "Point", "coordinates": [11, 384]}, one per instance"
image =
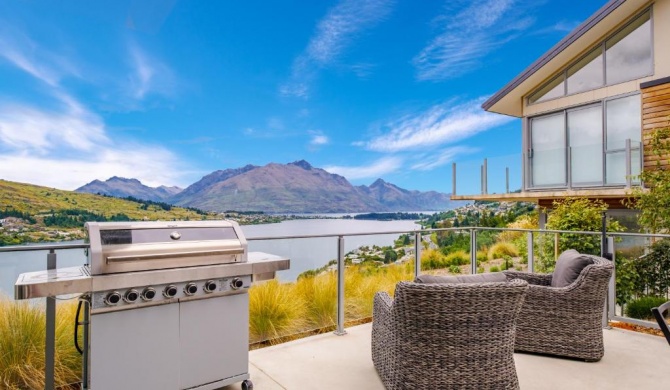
{"type": "Point", "coordinates": [299, 187]}
{"type": "Point", "coordinates": [400, 199]}
{"type": "Point", "coordinates": [121, 188]}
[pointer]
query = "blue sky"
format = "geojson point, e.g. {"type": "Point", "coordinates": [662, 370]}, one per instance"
{"type": "Point", "coordinates": [167, 91]}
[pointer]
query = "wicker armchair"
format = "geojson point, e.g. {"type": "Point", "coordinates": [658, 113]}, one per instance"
{"type": "Point", "coordinates": [447, 336]}
{"type": "Point", "coordinates": [564, 321]}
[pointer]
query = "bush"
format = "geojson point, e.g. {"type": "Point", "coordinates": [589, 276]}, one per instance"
{"type": "Point", "coordinates": [482, 256]}
{"type": "Point", "coordinates": [641, 308]}
{"type": "Point", "coordinates": [273, 310]}
{"type": "Point", "coordinates": [433, 259]}
{"type": "Point", "coordinates": [458, 258]}
{"type": "Point", "coordinates": [501, 249]}
{"type": "Point", "coordinates": [480, 270]}
{"type": "Point", "coordinates": [494, 269]}
{"type": "Point", "coordinates": [22, 340]}
{"type": "Point", "coordinates": [454, 269]}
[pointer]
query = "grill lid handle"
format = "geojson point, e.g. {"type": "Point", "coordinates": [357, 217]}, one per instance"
{"type": "Point", "coordinates": [159, 256]}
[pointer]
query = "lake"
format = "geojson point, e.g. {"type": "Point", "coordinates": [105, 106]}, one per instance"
{"type": "Point", "coordinates": [305, 253]}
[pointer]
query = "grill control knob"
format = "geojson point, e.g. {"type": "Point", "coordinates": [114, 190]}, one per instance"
{"type": "Point", "coordinates": [210, 286]}
{"type": "Point", "coordinates": [170, 291]}
{"type": "Point", "coordinates": [131, 296]}
{"type": "Point", "coordinates": [148, 294]}
{"type": "Point", "coordinates": [191, 289]}
{"type": "Point", "coordinates": [113, 298]}
{"type": "Point", "coordinates": [236, 283]}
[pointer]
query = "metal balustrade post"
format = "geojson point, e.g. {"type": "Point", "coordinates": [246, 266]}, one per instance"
{"type": "Point", "coordinates": [531, 260]}
{"type": "Point", "coordinates": [611, 291]}
{"type": "Point", "coordinates": [453, 179]}
{"type": "Point", "coordinates": [507, 180]}
{"type": "Point", "coordinates": [473, 251]}
{"type": "Point", "coordinates": [629, 170]}
{"type": "Point", "coordinates": [340, 287]}
{"type": "Point", "coordinates": [569, 168]}
{"type": "Point", "coordinates": [486, 178]}
{"type": "Point", "coordinates": [50, 330]}
{"type": "Point", "coordinates": [417, 254]}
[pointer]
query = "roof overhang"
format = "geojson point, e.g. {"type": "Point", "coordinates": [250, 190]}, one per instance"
{"type": "Point", "coordinates": [509, 100]}
{"type": "Point", "coordinates": [536, 196]}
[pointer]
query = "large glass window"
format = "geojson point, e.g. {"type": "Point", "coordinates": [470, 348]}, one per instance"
{"type": "Point", "coordinates": [585, 132]}
{"type": "Point", "coordinates": [596, 136]}
{"type": "Point", "coordinates": [622, 121]}
{"type": "Point", "coordinates": [587, 73]}
{"type": "Point", "coordinates": [629, 52]}
{"type": "Point", "coordinates": [627, 55]}
{"type": "Point", "coordinates": [548, 150]}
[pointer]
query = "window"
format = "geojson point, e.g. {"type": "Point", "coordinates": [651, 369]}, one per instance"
{"type": "Point", "coordinates": [585, 134]}
{"type": "Point", "coordinates": [548, 150]}
{"type": "Point", "coordinates": [627, 56]}
{"type": "Point", "coordinates": [622, 117]}
{"type": "Point", "coordinates": [629, 52]}
{"type": "Point", "coordinates": [588, 142]}
{"type": "Point", "coordinates": [587, 73]}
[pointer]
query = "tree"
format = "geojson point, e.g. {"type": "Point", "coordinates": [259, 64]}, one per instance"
{"type": "Point", "coordinates": [578, 214]}
{"type": "Point", "coordinates": [654, 201]}
{"type": "Point", "coordinates": [390, 256]}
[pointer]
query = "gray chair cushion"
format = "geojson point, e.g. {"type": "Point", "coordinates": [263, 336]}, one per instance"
{"type": "Point", "coordinates": [477, 278]}
{"type": "Point", "coordinates": [568, 267]}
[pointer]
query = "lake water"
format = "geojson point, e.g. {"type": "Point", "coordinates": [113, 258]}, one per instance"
{"type": "Point", "coordinates": [305, 253]}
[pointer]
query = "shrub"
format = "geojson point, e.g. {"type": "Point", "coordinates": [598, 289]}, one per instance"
{"type": "Point", "coordinates": [433, 259]}
{"type": "Point", "coordinates": [641, 308]}
{"type": "Point", "coordinates": [22, 340]}
{"type": "Point", "coordinates": [454, 269]}
{"type": "Point", "coordinates": [480, 270]}
{"type": "Point", "coordinates": [460, 257]}
{"type": "Point", "coordinates": [319, 295]}
{"type": "Point", "coordinates": [501, 249]}
{"type": "Point", "coordinates": [523, 222]}
{"type": "Point", "coordinates": [274, 311]}
{"type": "Point", "coordinates": [494, 269]}
{"type": "Point", "coordinates": [482, 256]}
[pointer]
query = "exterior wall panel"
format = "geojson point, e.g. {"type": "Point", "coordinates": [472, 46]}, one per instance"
{"type": "Point", "coordinates": [655, 114]}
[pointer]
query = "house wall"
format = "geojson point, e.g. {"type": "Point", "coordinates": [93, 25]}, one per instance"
{"type": "Point", "coordinates": [661, 41]}
{"type": "Point", "coordinates": [655, 114]}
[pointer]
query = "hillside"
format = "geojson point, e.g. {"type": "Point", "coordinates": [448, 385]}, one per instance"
{"type": "Point", "coordinates": [122, 188]}
{"type": "Point", "coordinates": [30, 213]}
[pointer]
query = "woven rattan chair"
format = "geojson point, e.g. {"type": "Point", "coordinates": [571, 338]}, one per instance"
{"type": "Point", "coordinates": [564, 321]}
{"type": "Point", "coordinates": [447, 336]}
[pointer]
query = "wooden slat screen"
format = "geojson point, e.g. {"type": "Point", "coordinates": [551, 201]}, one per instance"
{"type": "Point", "coordinates": [655, 114]}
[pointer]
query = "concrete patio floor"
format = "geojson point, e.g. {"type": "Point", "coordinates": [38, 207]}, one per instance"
{"type": "Point", "coordinates": [324, 362]}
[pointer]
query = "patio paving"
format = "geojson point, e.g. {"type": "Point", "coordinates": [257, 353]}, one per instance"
{"type": "Point", "coordinates": [324, 362]}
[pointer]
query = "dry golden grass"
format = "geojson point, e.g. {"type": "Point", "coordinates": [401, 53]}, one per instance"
{"type": "Point", "coordinates": [22, 341]}
{"type": "Point", "coordinates": [502, 248]}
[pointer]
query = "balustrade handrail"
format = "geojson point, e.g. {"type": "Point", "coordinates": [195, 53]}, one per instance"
{"type": "Point", "coordinates": [43, 247]}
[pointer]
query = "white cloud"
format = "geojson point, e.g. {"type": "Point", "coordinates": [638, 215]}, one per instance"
{"type": "Point", "coordinates": [150, 76]}
{"type": "Point", "coordinates": [446, 156]}
{"type": "Point", "coordinates": [376, 169]}
{"type": "Point", "coordinates": [441, 124]}
{"type": "Point", "coordinates": [319, 140]}
{"type": "Point", "coordinates": [469, 35]}
{"type": "Point", "coordinates": [334, 33]}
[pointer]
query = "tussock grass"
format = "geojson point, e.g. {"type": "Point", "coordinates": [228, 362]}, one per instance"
{"type": "Point", "coordinates": [22, 341]}
{"type": "Point", "coordinates": [319, 293]}
{"type": "Point", "coordinates": [459, 257]}
{"type": "Point", "coordinates": [274, 311]}
{"type": "Point", "coordinates": [502, 248]}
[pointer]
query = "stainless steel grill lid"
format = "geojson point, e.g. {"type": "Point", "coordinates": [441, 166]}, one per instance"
{"type": "Point", "coordinates": [140, 246]}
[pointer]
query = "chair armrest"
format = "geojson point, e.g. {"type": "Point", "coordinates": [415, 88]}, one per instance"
{"type": "Point", "coordinates": [531, 278]}
{"type": "Point", "coordinates": [382, 305]}
{"type": "Point", "coordinates": [659, 315]}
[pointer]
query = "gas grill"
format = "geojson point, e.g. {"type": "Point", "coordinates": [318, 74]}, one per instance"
{"type": "Point", "coordinates": [166, 303]}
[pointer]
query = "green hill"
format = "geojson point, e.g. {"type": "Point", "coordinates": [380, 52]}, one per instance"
{"type": "Point", "coordinates": [33, 213]}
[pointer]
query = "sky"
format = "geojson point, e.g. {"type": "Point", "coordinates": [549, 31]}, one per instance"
{"type": "Point", "coordinates": [167, 91]}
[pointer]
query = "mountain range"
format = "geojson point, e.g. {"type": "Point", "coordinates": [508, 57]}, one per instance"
{"type": "Point", "coordinates": [297, 187]}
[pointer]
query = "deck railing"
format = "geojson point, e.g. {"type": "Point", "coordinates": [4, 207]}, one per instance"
{"type": "Point", "coordinates": [536, 250]}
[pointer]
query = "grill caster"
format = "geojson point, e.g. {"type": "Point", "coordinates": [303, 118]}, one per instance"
{"type": "Point", "coordinates": [247, 385]}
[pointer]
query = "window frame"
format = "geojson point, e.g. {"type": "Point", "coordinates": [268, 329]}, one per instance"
{"type": "Point", "coordinates": [603, 48]}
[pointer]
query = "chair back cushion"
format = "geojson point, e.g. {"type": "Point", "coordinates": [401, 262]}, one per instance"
{"type": "Point", "coordinates": [477, 278]}
{"type": "Point", "coordinates": [568, 267]}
